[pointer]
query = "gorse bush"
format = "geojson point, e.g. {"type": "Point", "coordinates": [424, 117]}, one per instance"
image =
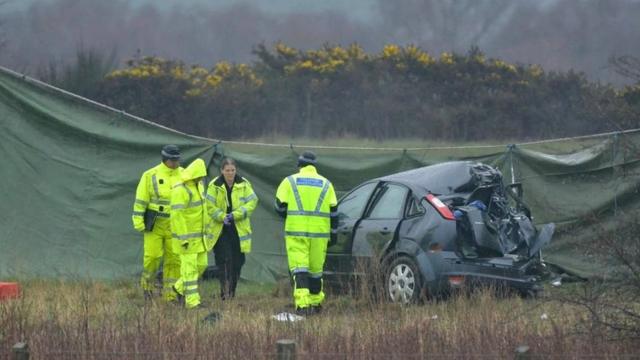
{"type": "Point", "coordinates": [339, 91]}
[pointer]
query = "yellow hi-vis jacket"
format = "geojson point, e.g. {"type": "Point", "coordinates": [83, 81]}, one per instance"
{"type": "Point", "coordinates": [309, 197]}
{"type": "Point", "coordinates": [243, 202]}
{"type": "Point", "coordinates": [189, 212]}
{"type": "Point", "coordinates": [154, 193]}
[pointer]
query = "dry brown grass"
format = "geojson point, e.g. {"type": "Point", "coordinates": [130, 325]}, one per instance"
{"type": "Point", "coordinates": [98, 320]}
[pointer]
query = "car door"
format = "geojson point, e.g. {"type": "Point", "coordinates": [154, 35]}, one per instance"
{"type": "Point", "coordinates": [378, 226]}
{"type": "Point", "coordinates": [351, 207]}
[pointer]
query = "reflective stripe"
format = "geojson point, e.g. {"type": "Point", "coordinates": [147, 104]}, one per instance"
{"type": "Point", "coordinates": [163, 215]}
{"type": "Point", "coordinates": [177, 206]}
{"type": "Point", "coordinates": [246, 237]}
{"type": "Point", "coordinates": [154, 180]}
{"type": "Point", "coordinates": [307, 234]}
{"type": "Point", "coordinates": [334, 231]}
{"type": "Point", "coordinates": [296, 194]}
{"type": "Point", "coordinates": [309, 182]}
{"type": "Point", "coordinates": [308, 213]}
{"type": "Point", "coordinates": [169, 280]}
{"type": "Point", "coordinates": [190, 291]}
{"type": "Point", "coordinates": [191, 283]}
{"type": "Point", "coordinates": [138, 213]}
{"type": "Point", "coordinates": [317, 275]}
{"type": "Point", "coordinates": [194, 204]}
{"type": "Point", "coordinates": [299, 270]}
{"type": "Point", "coordinates": [188, 192]}
{"type": "Point", "coordinates": [322, 195]}
{"type": "Point", "coordinates": [244, 212]}
{"type": "Point", "coordinates": [333, 214]}
{"type": "Point", "coordinates": [210, 198]}
{"type": "Point", "coordinates": [248, 198]}
{"type": "Point", "coordinates": [216, 213]}
{"type": "Point", "coordinates": [141, 202]}
{"type": "Point", "coordinates": [187, 236]}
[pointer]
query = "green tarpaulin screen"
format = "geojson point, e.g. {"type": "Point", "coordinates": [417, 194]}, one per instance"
{"type": "Point", "coordinates": [70, 168]}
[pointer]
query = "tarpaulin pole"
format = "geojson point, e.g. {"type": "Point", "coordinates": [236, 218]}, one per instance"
{"type": "Point", "coordinates": [614, 154]}
{"type": "Point", "coordinates": [510, 148]}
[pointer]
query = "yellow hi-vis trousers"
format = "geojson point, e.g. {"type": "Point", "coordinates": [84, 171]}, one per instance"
{"type": "Point", "coordinates": [191, 268]}
{"type": "Point", "coordinates": [158, 247]}
{"type": "Point", "coordinates": [306, 258]}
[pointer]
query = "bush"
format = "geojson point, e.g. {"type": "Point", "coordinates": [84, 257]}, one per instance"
{"type": "Point", "coordinates": [399, 92]}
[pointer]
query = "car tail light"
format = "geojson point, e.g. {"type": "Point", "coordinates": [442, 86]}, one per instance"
{"type": "Point", "coordinates": [456, 280]}
{"type": "Point", "coordinates": [442, 209]}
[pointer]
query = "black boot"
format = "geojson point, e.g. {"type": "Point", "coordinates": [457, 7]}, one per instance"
{"type": "Point", "coordinates": [315, 310]}
{"type": "Point", "coordinates": [305, 311]}
{"type": "Point", "coordinates": [179, 297]}
{"type": "Point", "coordinates": [148, 295]}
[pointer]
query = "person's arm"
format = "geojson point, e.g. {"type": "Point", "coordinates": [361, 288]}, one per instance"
{"type": "Point", "coordinates": [333, 215]}
{"type": "Point", "coordinates": [215, 211]}
{"type": "Point", "coordinates": [282, 196]}
{"type": "Point", "coordinates": [141, 203]}
{"type": "Point", "coordinates": [179, 201]}
{"type": "Point", "coordinates": [249, 202]}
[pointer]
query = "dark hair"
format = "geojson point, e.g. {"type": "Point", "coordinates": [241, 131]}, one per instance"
{"type": "Point", "coordinates": [228, 161]}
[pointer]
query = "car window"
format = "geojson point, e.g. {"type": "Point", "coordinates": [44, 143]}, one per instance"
{"type": "Point", "coordinates": [390, 202]}
{"type": "Point", "coordinates": [353, 204]}
{"type": "Point", "coordinates": [415, 208]}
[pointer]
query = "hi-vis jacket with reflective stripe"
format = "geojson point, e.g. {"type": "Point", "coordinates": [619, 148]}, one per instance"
{"type": "Point", "coordinates": [189, 212]}
{"type": "Point", "coordinates": [243, 202]}
{"type": "Point", "coordinates": [309, 197]}
{"type": "Point", "coordinates": [154, 193]}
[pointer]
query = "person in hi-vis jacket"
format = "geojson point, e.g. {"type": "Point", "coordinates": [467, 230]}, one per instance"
{"type": "Point", "coordinates": [308, 202]}
{"type": "Point", "coordinates": [153, 196]}
{"type": "Point", "coordinates": [231, 201]}
{"type": "Point", "coordinates": [189, 221]}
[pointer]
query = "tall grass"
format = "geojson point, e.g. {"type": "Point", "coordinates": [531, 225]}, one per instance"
{"type": "Point", "coordinates": [97, 320]}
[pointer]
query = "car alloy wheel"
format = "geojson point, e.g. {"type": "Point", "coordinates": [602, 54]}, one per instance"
{"type": "Point", "coordinates": [403, 281]}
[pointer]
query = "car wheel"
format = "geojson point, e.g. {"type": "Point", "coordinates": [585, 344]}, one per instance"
{"type": "Point", "coordinates": [403, 281]}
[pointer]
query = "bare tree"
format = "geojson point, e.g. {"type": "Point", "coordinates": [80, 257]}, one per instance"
{"type": "Point", "coordinates": [3, 36]}
{"type": "Point", "coordinates": [627, 66]}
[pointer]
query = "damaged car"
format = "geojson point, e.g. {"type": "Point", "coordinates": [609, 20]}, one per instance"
{"type": "Point", "coordinates": [428, 231]}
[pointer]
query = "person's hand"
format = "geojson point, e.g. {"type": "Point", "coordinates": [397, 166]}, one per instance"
{"type": "Point", "coordinates": [228, 219]}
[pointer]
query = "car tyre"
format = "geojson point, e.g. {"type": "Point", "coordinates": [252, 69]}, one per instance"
{"type": "Point", "coordinates": [403, 281]}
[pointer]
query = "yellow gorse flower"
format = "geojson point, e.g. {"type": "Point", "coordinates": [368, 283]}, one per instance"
{"type": "Point", "coordinates": [505, 66]}
{"type": "Point", "coordinates": [447, 58]}
{"type": "Point", "coordinates": [390, 51]}
{"type": "Point", "coordinates": [285, 51]}
{"type": "Point", "coordinates": [536, 71]}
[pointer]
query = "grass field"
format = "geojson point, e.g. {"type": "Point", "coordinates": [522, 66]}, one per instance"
{"type": "Point", "coordinates": [99, 320]}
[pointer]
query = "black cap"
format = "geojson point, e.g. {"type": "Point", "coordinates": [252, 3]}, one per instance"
{"type": "Point", "coordinates": [170, 152]}
{"type": "Point", "coordinates": [307, 158]}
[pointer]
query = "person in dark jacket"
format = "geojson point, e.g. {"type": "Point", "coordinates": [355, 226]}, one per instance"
{"type": "Point", "coordinates": [230, 203]}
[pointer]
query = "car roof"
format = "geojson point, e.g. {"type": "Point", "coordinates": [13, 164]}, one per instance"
{"type": "Point", "coordinates": [441, 179]}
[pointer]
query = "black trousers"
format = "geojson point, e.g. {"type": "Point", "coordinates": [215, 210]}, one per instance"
{"type": "Point", "coordinates": [229, 260]}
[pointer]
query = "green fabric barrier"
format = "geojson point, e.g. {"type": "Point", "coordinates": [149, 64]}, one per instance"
{"type": "Point", "coordinates": [71, 167]}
